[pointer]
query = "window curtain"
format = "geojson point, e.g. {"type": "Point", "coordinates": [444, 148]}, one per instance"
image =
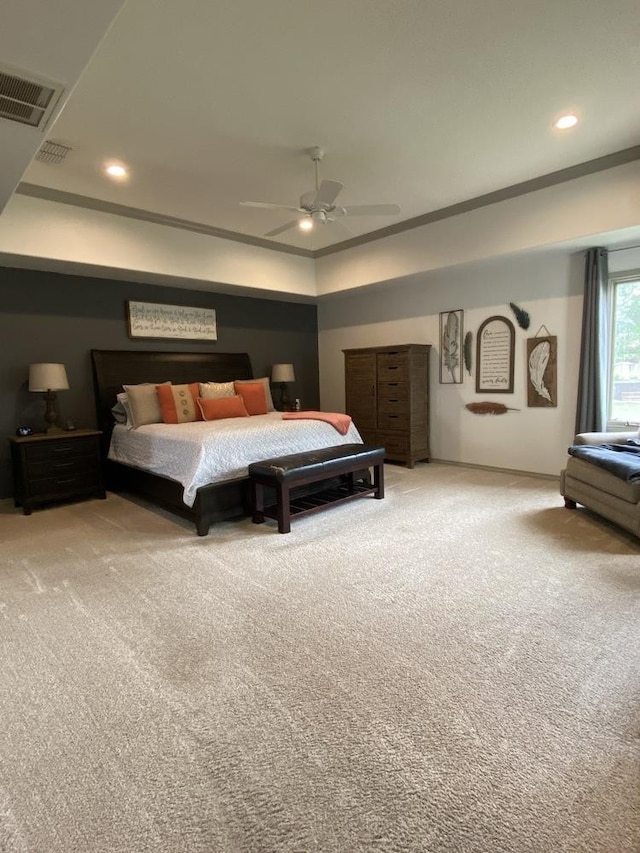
{"type": "Point", "coordinates": [591, 413]}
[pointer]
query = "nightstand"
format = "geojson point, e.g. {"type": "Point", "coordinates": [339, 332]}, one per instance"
{"type": "Point", "coordinates": [56, 467]}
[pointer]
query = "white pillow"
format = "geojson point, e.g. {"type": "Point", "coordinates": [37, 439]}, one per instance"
{"type": "Point", "coordinates": [267, 390]}
{"type": "Point", "coordinates": [144, 405]}
{"type": "Point", "coordinates": [216, 390]}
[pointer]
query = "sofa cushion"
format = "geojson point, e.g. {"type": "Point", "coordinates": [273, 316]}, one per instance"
{"type": "Point", "coordinates": [604, 437]}
{"type": "Point", "coordinates": [600, 479]}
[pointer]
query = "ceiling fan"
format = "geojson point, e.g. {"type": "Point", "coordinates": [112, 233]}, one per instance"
{"type": "Point", "coordinates": [318, 206]}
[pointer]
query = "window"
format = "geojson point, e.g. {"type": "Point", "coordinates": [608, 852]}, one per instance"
{"type": "Point", "coordinates": [624, 377]}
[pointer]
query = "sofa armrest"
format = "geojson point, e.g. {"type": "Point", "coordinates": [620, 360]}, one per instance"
{"type": "Point", "coordinates": [604, 437]}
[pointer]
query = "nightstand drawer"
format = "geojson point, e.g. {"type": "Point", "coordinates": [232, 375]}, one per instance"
{"type": "Point", "coordinates": [65, 484]}
{"type": "Point", "coordinates": [63, 466]}
{"type": "Point", "coordinates": [60, 449]}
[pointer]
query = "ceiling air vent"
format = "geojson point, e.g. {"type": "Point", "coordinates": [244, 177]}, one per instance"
{"type": "Point", "coordinates": [52, 152]}
{"type": "Point", "coordinates": [26, 98]}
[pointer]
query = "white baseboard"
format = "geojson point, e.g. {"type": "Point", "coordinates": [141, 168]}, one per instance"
{"type": "Point", "coordinates": [555, 477]}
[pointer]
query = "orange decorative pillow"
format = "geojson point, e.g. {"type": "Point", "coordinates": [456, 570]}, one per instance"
{"type": "Point", "coordinates": [217, 408]}
{"type": "Point", "coordinates": [254, 397]}
{"type": "Point", "coordinates": [178, 403]}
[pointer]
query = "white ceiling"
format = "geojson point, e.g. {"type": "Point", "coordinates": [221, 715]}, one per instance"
{"type": "Point", "coordinates": [422, 103]}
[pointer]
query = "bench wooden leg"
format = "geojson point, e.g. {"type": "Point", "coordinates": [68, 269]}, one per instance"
{"type": "Point", "coordinates": [284, 508]}
{"type": "Point", "coordinates": [378, 481]}
{"type": "Point", "coordinates": [350, 482]}
{"type": "Point", "coordinates": [257, 502]}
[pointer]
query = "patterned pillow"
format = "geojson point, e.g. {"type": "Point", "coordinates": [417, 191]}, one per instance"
{"type": "Point", "coordinates": [217, 408]}
{"type": "Point", "coordinates": [122, 411]}
{"type": "Point", "coordinates": [178, 403]}
{"type": "Point", "coordinates": [215, 390]}
{"type": "Point", "coordinates": [253, 395]}
{"type": "Point", "coordinates": [267, 390]}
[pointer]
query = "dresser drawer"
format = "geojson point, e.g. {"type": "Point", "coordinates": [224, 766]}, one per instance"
{"type": "Point", "coordinates": [60, 449]}
{"type": "Point", "coordinates": [396, 446]}
{"type": "Point", "coordinates": [393, 390]}
{"type": "Point", "coordinates": [393, 367]}
{"type": "Point", "coordinates": [392, 406]}
{"type": "Point", "coordinates": [393, 420]}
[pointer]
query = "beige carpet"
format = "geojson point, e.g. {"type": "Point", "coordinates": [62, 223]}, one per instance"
{"type": "Point", "coordinates": [454, 668]}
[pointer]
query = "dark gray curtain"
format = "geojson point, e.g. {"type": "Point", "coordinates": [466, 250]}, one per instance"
{"type": "Point", "coordinates": [591, 414]}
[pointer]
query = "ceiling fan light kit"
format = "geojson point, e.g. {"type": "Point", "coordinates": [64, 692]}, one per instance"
{"type": "Point", "coordinates": [319, 206]}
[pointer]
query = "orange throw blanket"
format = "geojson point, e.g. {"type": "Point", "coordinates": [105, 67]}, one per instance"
{"type": "Point", "coordinates": [336, 419]}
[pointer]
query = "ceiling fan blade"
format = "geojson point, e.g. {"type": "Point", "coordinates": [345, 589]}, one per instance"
{"type": "Point", "coordinates": [327, 192]}
{"type": "Point", "coordinates": [340, 226]}
{"type": "Point", "coordinates": [268, 206]}
{"type": "Point", "coordinates": [368, 210]}
{"type": "Point", "coordinates": [281, 228]}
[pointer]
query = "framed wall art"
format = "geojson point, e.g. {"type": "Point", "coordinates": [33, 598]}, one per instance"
{"type": "Point", "coordinates": [495, 350]}
{"type": "Point", "coordinates": [177, 322]}
{"type": "Point", "coordinates": [542, 371]}
{"type": "Point", "coordinates": [451, 335]}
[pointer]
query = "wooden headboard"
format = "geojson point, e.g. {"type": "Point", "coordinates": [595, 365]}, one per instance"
{"type": "Point", "coordinates": [113, 368]}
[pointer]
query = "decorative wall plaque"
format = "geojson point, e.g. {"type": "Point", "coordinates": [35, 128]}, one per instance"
{"type": "Point", "coordinates": [183, 322]}
{"type": "Point", "coordinates": [495, 349]}
{"type": "Point", "coordinates": [542, 371]}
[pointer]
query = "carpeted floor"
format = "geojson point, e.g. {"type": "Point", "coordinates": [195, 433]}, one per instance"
{"type": "Point", "coordinates": [454, 668]}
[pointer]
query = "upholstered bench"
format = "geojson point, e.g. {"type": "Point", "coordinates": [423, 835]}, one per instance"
{"type": "Point", "coordinates": [283, 473]}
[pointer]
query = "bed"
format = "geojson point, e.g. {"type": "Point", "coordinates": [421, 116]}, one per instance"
{"type": "Point", "coordinates": [150, 471]}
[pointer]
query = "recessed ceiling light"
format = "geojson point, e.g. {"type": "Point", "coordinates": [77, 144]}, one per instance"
{"type": "Point", "coordinates": [566, 121]}
{"type": "Point", "coordinates": [115, 170]}
{"type": "Point", "coordinates": [305, 224]}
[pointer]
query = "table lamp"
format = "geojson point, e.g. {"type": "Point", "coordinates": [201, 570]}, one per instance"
{"type": "Point", "coordinates": [280, 375]}
{"type": "Point", "coordinates": [48, 378]}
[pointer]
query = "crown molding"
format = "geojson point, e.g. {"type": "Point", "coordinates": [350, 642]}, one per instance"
{"type": "Point", "coordinates": [62, 197]}
{"type": "Point", "coordinates": [580, 170]}
{"type": "Point", "coordinates": [599, 164]}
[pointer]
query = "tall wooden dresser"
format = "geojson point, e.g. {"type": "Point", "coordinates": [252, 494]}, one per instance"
{"type": "Point", "coordinates": [387, 395]}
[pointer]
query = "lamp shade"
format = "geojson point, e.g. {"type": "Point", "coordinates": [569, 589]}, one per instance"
{"type": "Point", "coordinates": [47, 377]}
{"type": "Point", "coordinates": [282, 373]}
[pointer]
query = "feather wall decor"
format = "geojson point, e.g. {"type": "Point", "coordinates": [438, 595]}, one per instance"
{"type": "Point", "coordinates": [538, 361]}
{"type": "Point", "coordinates": [450, 354]}
{"type": "Point", "coordinates": [542, 371]}
{"type": "Point", "coordinates": [489, 408]}
{"type": "Point", "coordinates": [451, 326]}
{"type": "Point", "coordinates": [468, 351]}
{"type": "Point", "coordinates": [521, 315]}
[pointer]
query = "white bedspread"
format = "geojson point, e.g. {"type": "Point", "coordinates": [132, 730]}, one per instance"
{"type": "Point", "coordinates": [213, 451]}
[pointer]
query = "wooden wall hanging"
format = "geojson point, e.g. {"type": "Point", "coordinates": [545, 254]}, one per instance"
{"type": "Point", "coordinates": [495, 349]}
{"type": "Point", "coordinates": [542, 370]}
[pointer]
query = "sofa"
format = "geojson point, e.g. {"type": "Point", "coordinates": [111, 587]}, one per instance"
{"type": "Point", "coordinates": [613, 498]}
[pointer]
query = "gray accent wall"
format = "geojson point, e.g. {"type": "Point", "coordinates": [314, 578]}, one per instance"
{"type": "Point", "coordinates": [52, 317]}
